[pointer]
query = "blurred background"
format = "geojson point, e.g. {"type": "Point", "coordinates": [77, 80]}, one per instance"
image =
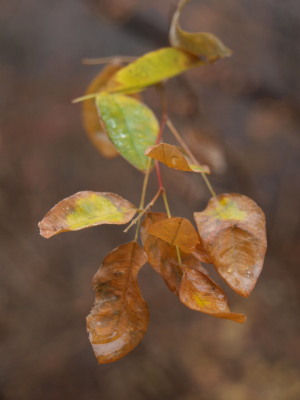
{"type": "Point", "coordinates": [240, 115]}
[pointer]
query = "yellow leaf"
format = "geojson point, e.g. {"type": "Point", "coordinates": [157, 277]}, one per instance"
{"type": "Point", "coordinates": [203, 44]}
{"type": "Point", "coordinates": [151, 69]}
{"type": "Point", "coordinates": [86, 209]}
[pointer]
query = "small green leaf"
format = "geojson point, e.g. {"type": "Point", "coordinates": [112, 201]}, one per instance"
{"type": "Point", "coordinates": [85, 209]}
{"type": "Point", "coordinates": [151, 69]}
{"type": "Point", "coordinates": [201, 44]}
{"type": "Point", "coordinates": [131, 126]}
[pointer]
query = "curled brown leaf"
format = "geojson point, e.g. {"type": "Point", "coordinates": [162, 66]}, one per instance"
{"type": "Point", "coordinates": [198, 292]}
{"type": "Point", "coordinates": [120, 316]}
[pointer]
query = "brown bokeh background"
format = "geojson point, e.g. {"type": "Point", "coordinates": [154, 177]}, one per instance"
{"type": "Point", "coordinates": [241, 115]}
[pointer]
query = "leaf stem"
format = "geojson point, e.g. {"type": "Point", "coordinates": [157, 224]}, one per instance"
{"type": "Point", "coordinates": [167, 207]}
{"type": "Point", "coordinates": [143, 196]}
{"type": "Point", "coordinates": [148, 206]}
{"type": "Point", "coordinates": [191, 155]}
{"type": "Point", "coordinates": [108, 60]}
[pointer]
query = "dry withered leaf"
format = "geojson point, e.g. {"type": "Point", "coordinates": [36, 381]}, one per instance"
{"type": "Point", "coordinates": [233, 230]}
{"type": "Point", "coordinates": [91, 121]}
{"type": "Point", "coordinates": [198, 292]}
{"type": "Point", "coordinates": [120, 316]}
{"type": "Point", "coordinates": [163, 257]}
{"type": "Point", "coordinates": [203, 44]}
{"type": "Point", "coordinates": [177, 232]}
{"type": "Point", "coordinates": [86, 209]}
{"type": "Point", "coordinates": [174, 157]}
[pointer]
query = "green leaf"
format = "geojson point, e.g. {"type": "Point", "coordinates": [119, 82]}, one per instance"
{"type": "Point", "coordinates": [85, 209]}
{"type": "Point", "coordinates": [202, 44]}
{"type": "Point", "coordinates": [151, 69]}
{"type": "Point", "coordinates": [131, 126]}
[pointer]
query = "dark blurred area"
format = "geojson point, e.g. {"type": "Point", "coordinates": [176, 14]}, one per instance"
{"type": "Point", "coordinates": [241, 115]}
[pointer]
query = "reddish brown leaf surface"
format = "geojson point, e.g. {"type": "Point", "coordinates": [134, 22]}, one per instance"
{"type": "Point", "coordinates": [91, 121]}
{"type": "Point", "coordinates": [198, 292]}
{"type": "Point", "coordinates": [163, 257]}
{"type": "Point", "coordinates": [119, 318]}
{"type": "Point", "coordinates": [233, 231]}
{"type": "Point", "coordinates": [86, 209]}
{"type": "Point", "coordinates": [176, 231]}
{"type": "Point", "coordinates": [174, 157]}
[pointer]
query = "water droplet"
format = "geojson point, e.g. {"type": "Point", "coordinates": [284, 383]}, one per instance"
{"type": "Point", "coordinates": [174, 160]}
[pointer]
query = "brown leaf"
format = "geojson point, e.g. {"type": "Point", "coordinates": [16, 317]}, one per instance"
{"type": "Point", "coordinates": [201, 254]}
{"type": "Point", "coordinates": [174, 157]}
{"type": "Point", "coordinates": [119, 318]}
{"type": "Point", "coordinates": [198, 292]}
{"type": "Point", "coordinates": [177, 232]}
{"type": "Point", "coordinates": [91, 121]}
{"type": "Point", "coordinates": [163, 257]}
{"type": "Point", "coordinates": [233, 231]}
{"type": "Point", "coordinates": [86, 209]}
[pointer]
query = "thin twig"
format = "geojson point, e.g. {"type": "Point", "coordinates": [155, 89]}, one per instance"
{"type": "Point", "coordinates": [167, 207]}
{"type": "Point", "coordinates": [148, 206]}
{"type": "Point", "coordinates": [143, 195]}
{"type": "Point", "coordinates": [191, 155]}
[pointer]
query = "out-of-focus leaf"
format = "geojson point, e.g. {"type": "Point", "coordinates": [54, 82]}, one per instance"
{"type": "Point", "coordinates": [90, 116]}
{"type": "Point", "coordinates": [85, 209]}
{"type": "Point", "coordinates": [131, 126]}
{"type": "Point", "coordinates": [203, 44]}
{"type": "Point", "coordinates": [163, 257]}
{"type": "Point", "coordinates": [233, 231]}
{"type": "Point", "coordinates": [152, 68]}
{"type": "Point", "coordinates": [119, 317]}
{"type": "Point", "coordinates": [177, 232]}
{"type": "Point", "coordinates": [174, 157]}
{"type": "Point", "coordinates": [198, 292]}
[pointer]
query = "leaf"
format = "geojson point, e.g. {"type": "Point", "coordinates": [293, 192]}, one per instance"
{"type": "Point", "coordinates": [198, 292]}
{"type": "Point", "coordinates": [85, 209]}
{"type": "Point", "coordinates": [91, 121]}
{"type": "Point", "coordinates": [152, 68]}
{"type": "Point", "coordinates": [131, 126]}
{"type": "Point", "coordinates": [163, 257]}
{"type": "Point", "coordinates": [233, 231]}
{"type": "Point", "coordinates": [203, 44]}
{"type": "Point", "coordinates": [177, 232]}
{"type": "Point", "coordinates": [120, 316]}
{"type": "Point", "coordinates": [174, 157]}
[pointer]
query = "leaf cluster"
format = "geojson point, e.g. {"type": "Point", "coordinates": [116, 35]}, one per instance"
{"type": "Point", "coordinates": [230, 231]}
